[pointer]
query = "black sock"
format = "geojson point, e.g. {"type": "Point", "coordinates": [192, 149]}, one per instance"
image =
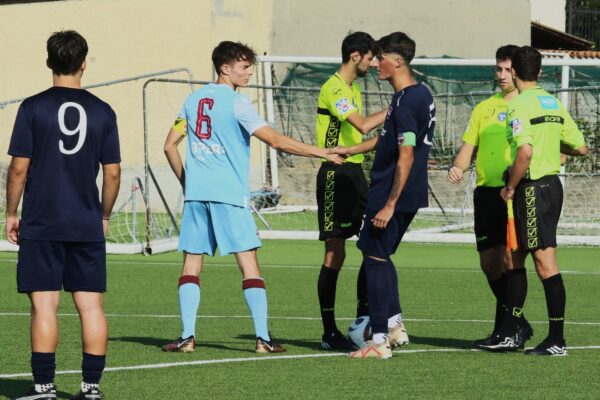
{"type": "Point", "coordinates": [92, 367]}
{"type": "Point", "coordinates": [379, 289]}
{"type": "Point", "coordinates": [362, 306]}
{"type": "Point", "coordinates": [326, 290]}
{"type": "Point", "coordinates": [498, 287]}
{"type": "Point", "coordinates": [556, 299]}
{"type": "Point", "coordinates": [43, 366]}
{"type": "Point", "coordinates": [516, 291]}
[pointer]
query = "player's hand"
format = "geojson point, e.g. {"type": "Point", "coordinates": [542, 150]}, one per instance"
{"type": "Point", "coordinates": [455, 174]}
{"type": "Point", "coordinates": [340, 150]}
{"type": "Point", "coordinates": [12, 229]}
{"type": "Point", "coordinates": [382, 218]}
{"type": "Point", "coordinates": [334, 158]}
{"type": "Point", "coordinates": [105, 226]}
{"type": "Point", "coordinates": [507, 193]}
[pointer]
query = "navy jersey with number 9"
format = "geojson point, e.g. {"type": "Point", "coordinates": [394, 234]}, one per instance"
{"type": "Point", "coordinates": [67, 133]}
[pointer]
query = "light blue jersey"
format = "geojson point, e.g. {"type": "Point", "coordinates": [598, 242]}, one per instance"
{"type": "Point", "coordinates": [218, 123]}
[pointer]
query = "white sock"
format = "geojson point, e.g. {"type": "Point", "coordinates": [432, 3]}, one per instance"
{"type": "Point", "coordinates": [87, 386]}
{"type": "Point", "coordinates": [394, 320]}
{"type": "Point", "coordinates": [379, 338]}
{"type": "Point", "coordinates": [40, 388]}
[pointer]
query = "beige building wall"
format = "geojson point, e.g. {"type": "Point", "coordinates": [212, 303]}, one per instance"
{"type": "Point", "coordinates": [551, 13]}
{"type": "Point", "coordinates": [126, 38]}
{"type": "Point", "coordinates": [459, 28]}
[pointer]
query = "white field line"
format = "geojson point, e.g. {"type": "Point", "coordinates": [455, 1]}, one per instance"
{"type": "Point", "coordinates": [433, 320]}
{"type": "Point", "coordinates": [259, 358]}
{"type": "Point", "coordinates": [211, 265]}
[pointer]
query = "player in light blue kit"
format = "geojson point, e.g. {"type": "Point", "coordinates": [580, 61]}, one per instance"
{"type": "Point", "coordinates": [218, 122]}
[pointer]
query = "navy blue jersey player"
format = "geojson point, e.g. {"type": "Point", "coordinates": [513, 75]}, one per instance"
{"type": "Point", "coordinates": [398, 189]}
{"type": "Point", "coordinates": [61, 137]}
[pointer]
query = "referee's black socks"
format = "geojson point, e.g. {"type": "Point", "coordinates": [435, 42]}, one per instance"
{"type": "Point", "coordinates": [516, 291]}
{"type": "Point", "coordinates": [556, 299]}
{"type": "Point", "coordinates": [498, 287]}
{"type": "Point", "coordinates": [326, 287]}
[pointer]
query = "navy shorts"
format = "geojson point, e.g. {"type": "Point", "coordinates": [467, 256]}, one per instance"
{"type": "Point", "coordinates": [382, 243]}
{"type": "Point", "coordinates": [51, 266]}
{"type": "Point", "coordinates": [490, 217]}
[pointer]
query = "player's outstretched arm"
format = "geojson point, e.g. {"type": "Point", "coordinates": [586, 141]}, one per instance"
{"type": "Point", "coordinates": [173, 139]}
{"type": "Point", "coordinates": [288, 145]}
{"type": "Point", "coordinates": [461, 163]}
{"type": "Point", "coordinates": [15, 183]}
{"type": "Point", "coordinates": [363, 147]}
{"type": "Point", "coordinates": [368, 123]}
{"type": "Point", "coordinates": [111, 181]}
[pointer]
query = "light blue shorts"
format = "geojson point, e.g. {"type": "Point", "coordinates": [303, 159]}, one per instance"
{"type": "Point", "coordinates": [207, 226]}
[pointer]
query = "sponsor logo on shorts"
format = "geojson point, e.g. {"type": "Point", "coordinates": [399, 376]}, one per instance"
{"type": "Point", "coordinates": [481, 238]}
{"type": "Point", "coordinates": [346, 224]}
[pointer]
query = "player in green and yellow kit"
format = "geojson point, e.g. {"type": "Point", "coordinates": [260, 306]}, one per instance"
{"type": "Point", "coordinates": [486, 137]}
{"type": "Point", "coordinates": [539, 129]}
{"type": "Point", "coordinates": [341, 189]}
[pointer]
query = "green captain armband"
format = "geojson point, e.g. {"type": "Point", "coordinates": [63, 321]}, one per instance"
{"type": "Point", "coordinates": [407, 139]}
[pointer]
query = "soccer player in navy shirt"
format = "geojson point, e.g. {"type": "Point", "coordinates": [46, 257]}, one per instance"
{"type": "Point", "coordinates": [398, 188]}
{"type": "Point", "coordinates": [218, 123]}
{"type": "Point", "coordinates": [61, 137]}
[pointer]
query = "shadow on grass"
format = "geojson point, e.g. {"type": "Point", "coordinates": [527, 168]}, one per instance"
{"type": "Point", "coordinates": [312, 344]}
{"type": "Point", "coordinates": [442, 342]}
{"type": "Point", "coordinates": [11, 388]}
{"type": "Point", "coordinates": [159, 342]}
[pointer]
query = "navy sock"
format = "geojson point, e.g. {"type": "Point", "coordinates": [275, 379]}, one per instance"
{"type": "Point", "coordinates": [362, 306]}
{"type": "Point", "coordinates": [498, 287]}
{"type": "Point", "coordinates": [556, 300]}
{"type": "Point", "coordinates": [43, 366]}
{"type": "Point", "coordinates": [326, 286]}
{"type": "Point", "coordinates": [92, 367]}
{"type": "Point", "coordinates": [379, 290]}
{"type": "Point", "coordinates": [395, 307]}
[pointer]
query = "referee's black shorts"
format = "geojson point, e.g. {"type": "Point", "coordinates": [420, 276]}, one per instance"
{"type": "Point", "coordinates": [490, 217]}
{"type": "Point", "coordinates": [341, 199]}
{"type": "Point", "coordinates": [537, 205]}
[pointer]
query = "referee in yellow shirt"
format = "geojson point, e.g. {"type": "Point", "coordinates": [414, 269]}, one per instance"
{"type": "Point", "coordinates": [486, 137]}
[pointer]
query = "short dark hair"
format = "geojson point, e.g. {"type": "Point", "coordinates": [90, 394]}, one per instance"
{"type": "Point", "coordinates": [527, 63]}
{"type": "Point", "coordinates": [229, 52]}
{"type": "Point", "coordinates": [398, 43]}
{"type": "Point", "coordinates": [66, 52]}
{"type": "Point", "coordinates": [506, 52]}
{"type": "Point", "coordinates": [358, 41]}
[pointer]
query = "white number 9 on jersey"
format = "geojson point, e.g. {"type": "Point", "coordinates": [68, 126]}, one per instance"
{"type": "Point", "coordinates": [81, 128]}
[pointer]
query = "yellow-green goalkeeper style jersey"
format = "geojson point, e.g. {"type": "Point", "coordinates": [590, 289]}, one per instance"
{"type": "Point", "coordinates": [487, 132]}
{"type": "Point", "coordinates": [336, 102]}
{"type": "Point", "coordinates": [540, 120]}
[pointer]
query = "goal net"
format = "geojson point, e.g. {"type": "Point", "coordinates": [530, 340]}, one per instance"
{"type": "Point", "coordinates": [283, 185]}
{"type": "Point", "coordinates": [147, 213]}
